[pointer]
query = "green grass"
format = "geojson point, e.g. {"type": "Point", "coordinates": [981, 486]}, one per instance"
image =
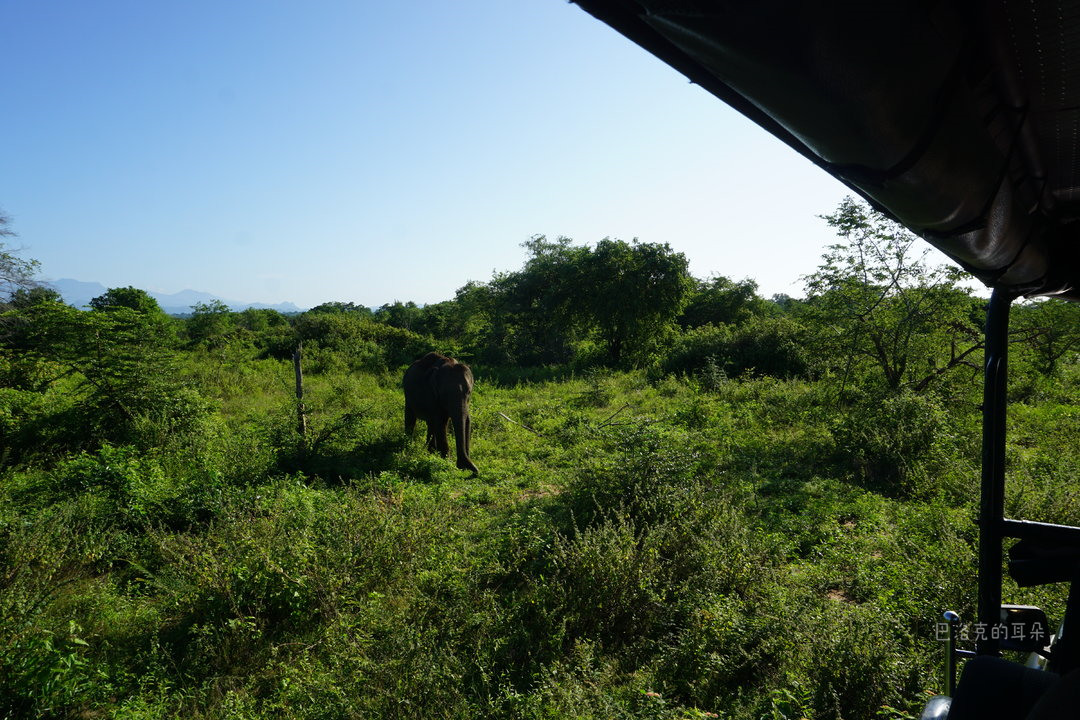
{"type": "Point", "coordinates": [631, 548]}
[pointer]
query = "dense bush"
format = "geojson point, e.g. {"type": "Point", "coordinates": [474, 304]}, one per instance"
{"type": "Point", "coordinates": [107, 375]}
{"type": "Point", "coordinates": [351, 341]}
{"type": "Point", "coordinates": [694, 349]}
{"type": "Point", "coordinates": [765, 346]}
{"type": "Point", "coordinates": [891, 443]}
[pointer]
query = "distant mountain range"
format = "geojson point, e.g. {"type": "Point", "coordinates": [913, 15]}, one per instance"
{"type": "Point", "coordinates": [79, 293]}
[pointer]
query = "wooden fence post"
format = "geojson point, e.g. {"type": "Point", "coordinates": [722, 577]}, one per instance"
{"type": "Point", "coordinates": [301, 416]}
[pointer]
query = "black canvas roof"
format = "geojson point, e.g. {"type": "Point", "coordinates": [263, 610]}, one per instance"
{"type": "Point", "coordinates": [959, 119]}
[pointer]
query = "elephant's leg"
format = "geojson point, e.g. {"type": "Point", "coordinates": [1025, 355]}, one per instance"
{"type": "Point", "coordinates": [410, 420]}
{"type": "Point", "coordinates": [432, 435]}
{"type": "Point", "coordinates": [440, 437]}
{"type": "Point", "coordinates": [462, 440]}
{"type": "Point", "coordinates": [468, 436]}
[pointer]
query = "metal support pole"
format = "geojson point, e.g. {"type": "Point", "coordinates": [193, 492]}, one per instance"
{"type": "Point", "coordinates": [950, 653]}
{"type": "Point", "coordinates": [992, 500]}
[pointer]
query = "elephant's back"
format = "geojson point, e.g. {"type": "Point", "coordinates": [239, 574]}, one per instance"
{"type": "Point", "coordinates": [434, 380]}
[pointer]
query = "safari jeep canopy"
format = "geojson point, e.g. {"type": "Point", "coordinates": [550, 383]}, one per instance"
{"type": "Point", "coordinates": [959, 119]}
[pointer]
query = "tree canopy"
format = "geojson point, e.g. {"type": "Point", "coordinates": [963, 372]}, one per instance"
{"type": "Point", "coordinates": [624, 297]}
{"type": "Point", "coordinates": [722, 300]}
{"type": "Point", "coordinates": [127, 297]}
{"type": "Point", "coordinates": [884, 305]}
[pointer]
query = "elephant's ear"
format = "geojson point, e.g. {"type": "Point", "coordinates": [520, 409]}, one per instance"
{"type": "Point", "coordinates": [431, 378]}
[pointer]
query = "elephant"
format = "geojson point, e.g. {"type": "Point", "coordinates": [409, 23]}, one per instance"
{"type": "Point", "coordinates": [437, 390]}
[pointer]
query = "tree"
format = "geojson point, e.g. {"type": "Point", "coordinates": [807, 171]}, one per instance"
{"type": "Point", "coordinates": [25, 297]}
{"type": "Point", "coordinates": [210, 324]}
{"type": "Point", "coordinates": [261, 320]}
{"type": "Point", "coordinates": [632, 293]}
{"type": "Point", "coordinates": [440, 320]}
{"type": "Point", "coordinates": [543, 301]}
{"type": "Point", "coordinates": [400, 315]}
{"type": "Point", "coordinates": [624, 296]}
{"type": "Point", "coordinates": [119, 360]}
{"type": "Point", "coordinates": [15, 273]}
{"type": "Point", "coordinates": [1049, 329]}
{"type": "Point", "coordinates": [878, 302]}
{"type": "Point", "coordinates": [129, 297]}
{"type": "Point", "coordinates": [481, 327]}
{"type": "Point", "coordinates": [720, 300]}
{"type": "Point", "coordinates": [341, 307]}
{"type": "Point", "coordinates": [125, 299]}
{"type": "Point", "coordinates": [533, 315]}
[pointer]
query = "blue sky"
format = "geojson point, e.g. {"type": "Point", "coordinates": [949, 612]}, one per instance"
{"type": "Point", "coordinates": [339, 150]}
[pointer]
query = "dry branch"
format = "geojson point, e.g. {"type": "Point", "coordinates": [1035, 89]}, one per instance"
{"type": "Point", "coordinates": [504, 417]}
{"type": "Point", "coordinates": [609, 418]}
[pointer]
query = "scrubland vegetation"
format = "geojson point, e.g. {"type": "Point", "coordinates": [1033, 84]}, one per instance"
{"type": "Point", "coordinates": [693, 501]}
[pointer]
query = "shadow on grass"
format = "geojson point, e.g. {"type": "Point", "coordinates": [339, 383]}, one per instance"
{"type": "Point", "coordinates": [333, 464]}
{"type": "Point", "coordinates": [513, 376]}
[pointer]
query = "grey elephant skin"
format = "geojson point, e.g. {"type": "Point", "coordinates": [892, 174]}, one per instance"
{"type": "Point", "coordinates": [437, 390]}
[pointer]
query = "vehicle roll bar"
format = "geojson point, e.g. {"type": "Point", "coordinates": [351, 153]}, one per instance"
{"type": "Point", "coordinates": [992, 496]}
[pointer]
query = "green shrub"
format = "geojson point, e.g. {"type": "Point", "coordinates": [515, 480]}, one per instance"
{"type": "Point", "coordinates": [348, 341]}
{"type": "Point", "coordinates": [26, 429]}
{"type": "Point", "coordinates": [891, 444]}
{"type": "Point", "coordinates": [45, 668]}
{"type": "Point", "coordinates": [133, 485]}
{"type": "Point", "coordinates": [853, 666]}
{"type": "Point", "coordinates": [770, 346]}
{"type": "Point", "coordinates": [692, 350]}
{"type": "Point", "coordinates": [44, 673]}
{"type": "Point", "coordinates": [110, 370]}
{"type": "Point", "coordinates": [598, 390]}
